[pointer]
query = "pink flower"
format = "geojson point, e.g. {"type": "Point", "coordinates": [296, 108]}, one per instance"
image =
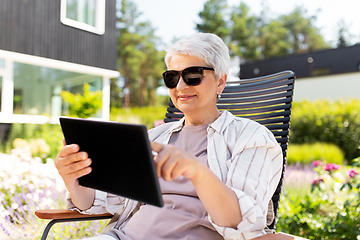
{"type": "Point", "coordinates": [332, 166]}
{"type": "Point", "coordinates": [316, 163]}
{"type": "Point", "coordinates": [316, 182]}
{"type": "Point", "coordinates": [352, 173]}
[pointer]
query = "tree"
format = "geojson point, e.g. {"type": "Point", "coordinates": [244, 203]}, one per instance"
{"type": "Point", "coordinates": [304, 36]}
{"type": "Point", "coordinates": [212, 18]}
{"type": "Point", "coordinates": [275, 40]}
{"type": "Point", "coordinates": [138, 59]}
{"type": "Point", "coordinates": [128, 53]}
{"type": "Point", "coordinates": [151, 67]}
{"type": "Point", "coordinates": [244, 33]}
{"type": "Point", "coordinates": [343, 34]}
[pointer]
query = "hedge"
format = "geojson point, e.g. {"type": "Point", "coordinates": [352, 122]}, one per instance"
{"type": "Point", "coordinates": [335, 122]}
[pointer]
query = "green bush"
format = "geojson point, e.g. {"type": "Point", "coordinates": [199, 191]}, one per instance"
{"type": "Point", "coordinates": [139, 115]}
{"type": "Point", "coordinates": [53, 136]}
{"type": "Point", "coordinates": [309, 152]}
{"type": "Point", "coordinates": [85, 105]}
{"type": "Point", "coordinates": [324, 121]}
{"type": "Point", "coordinates": [51, 133]}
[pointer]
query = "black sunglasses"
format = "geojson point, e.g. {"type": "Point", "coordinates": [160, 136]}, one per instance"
{"type": "Point", "coordinates": [192, 76]}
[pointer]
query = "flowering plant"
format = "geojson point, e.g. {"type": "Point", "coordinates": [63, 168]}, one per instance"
{"type": "Point", "coordinates": [330, 210]}
{"type": "Point", "coordinates": [27, 184]}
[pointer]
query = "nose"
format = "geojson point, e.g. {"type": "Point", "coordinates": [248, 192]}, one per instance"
{"type": "Point", "coordinates": [181, 84]}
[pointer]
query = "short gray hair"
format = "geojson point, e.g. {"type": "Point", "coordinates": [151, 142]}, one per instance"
{"type": "Point", "coordinates": [206, 46]}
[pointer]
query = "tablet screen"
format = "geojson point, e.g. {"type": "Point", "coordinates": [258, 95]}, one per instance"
{"type": "Point", "coordinates": [122, 161]}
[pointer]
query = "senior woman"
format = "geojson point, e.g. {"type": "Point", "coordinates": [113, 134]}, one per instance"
{"type": "Point", "coordinates": [217, 172]}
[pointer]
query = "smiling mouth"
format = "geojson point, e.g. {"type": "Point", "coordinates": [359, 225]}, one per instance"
{"type": "Point", "coordinates": [185, 97]}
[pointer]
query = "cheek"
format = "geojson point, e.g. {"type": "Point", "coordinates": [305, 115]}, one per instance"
{"type": "Point", "coordinates": [172, 95]}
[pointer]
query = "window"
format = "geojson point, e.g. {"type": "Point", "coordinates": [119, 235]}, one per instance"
{"type": "Point", "coordinates": [37, 89]}
{"type": "Point", "coordinates": [2, 63]}
{"type": "Point", "coordinates": [320, 71]}
{"type": "Point", "coordinates": [88, 15]}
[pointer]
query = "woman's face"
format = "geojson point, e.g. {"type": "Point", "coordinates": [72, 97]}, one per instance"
{"type": "Point", "coordinates": [200, 99]}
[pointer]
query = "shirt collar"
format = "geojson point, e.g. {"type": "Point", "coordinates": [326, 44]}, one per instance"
{"type": "Point", "coordinates": [178, 125]}
{"type": "Point", "coordinates": [219, 125]}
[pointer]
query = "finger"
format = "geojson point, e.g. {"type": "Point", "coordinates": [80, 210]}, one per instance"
{"type": "Point", "coordinates": [64, 142]}
{"type": "Point", "coordinates": [167, 170]}
{"type": "Point", "coordinates": [160, 160]}
{"type": "Point", "coordinates": [79, 173]}
{"type": "Point", "coordinates": [156, 147]}
{"type": "Point", "coordinates": [74, 158]}
{"type": "Point", "coordinates": [75, 167]}
{"type": "Point", "coordinates": [69, 149]}
{"type": "Point", "coordinates": [178, 170]}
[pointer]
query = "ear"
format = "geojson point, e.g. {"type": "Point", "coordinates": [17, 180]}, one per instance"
{"type": "Point", "coordinates": [221, 84]}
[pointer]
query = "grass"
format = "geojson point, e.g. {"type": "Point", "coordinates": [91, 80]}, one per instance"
{"type": "Point", "coordinates": [307, 153]}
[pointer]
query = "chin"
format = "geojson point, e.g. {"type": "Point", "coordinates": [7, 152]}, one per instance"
{"type": "Point", "coordinates": [186, 108]}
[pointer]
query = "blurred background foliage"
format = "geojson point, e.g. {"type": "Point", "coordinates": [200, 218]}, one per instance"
{"type": "Point", "coordinates": [335, 122]}
{"type": "Point", "coordinates": [305, 154]}
{"type": "Point", "coordinates": [320, 130]}
{"type": "Point", "coordinates": [249, 36]}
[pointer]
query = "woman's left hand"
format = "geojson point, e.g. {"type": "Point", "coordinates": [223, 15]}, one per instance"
{"type": "Point", "coordinates": [172, 162]}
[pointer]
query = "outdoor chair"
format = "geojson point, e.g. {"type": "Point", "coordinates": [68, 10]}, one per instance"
{"type": "Point", "coordinates": [267, 100]}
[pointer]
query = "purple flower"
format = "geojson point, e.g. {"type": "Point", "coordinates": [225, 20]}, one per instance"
{"type": "Point", "coordinates": [332, 166]}
{"type": "Point", "coordinates": [316, 182]}
{"type": "Point", "coordinates": [352, 173]}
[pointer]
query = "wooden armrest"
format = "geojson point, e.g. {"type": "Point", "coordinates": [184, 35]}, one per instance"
{"type": "Point", "coordinates": [66, 214]}
{"type": "Point", "coordinates": [57, 214]}
{"type": "Point", "coordinates": [279, 236]}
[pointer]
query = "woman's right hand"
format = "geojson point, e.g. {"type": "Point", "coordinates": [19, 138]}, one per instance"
{"type": "Point", "coordinates": [72, 164]}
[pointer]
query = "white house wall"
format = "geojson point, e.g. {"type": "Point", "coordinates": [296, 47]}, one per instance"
{"type": "Point", "coordinates": [331, 87]}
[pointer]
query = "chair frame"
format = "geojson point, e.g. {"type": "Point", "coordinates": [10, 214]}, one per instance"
{"type": "Point", "coordinates": [267, 100]}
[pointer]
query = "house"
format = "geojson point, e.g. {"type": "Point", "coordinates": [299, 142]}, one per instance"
{"type": "Point", "coordinates": [50, 46]}
{"type": "Point", "coordinates": [327, 74]}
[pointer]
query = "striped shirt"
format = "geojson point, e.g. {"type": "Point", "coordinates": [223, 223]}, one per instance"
{"type": "Point", "coordinates": [242, 153]}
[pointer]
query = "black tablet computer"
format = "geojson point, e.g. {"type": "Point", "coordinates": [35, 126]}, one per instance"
{"type": "Point", "coordinates": [122, 160]}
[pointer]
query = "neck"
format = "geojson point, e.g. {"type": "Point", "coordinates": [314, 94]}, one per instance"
{"type": "Point", "coordinates": [201, 118]}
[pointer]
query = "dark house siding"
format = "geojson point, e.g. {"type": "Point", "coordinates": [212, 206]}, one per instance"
{"type": "Point", "coordinates": [325, 62]}
{"type": "Point", "coordinates": [33, 27]}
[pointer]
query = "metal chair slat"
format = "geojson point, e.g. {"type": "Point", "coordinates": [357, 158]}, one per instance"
{"type": "Point", "coordinates": [253, 104]}
{"type": "Point", "coordinates": [257, 110]}
{"type": "Point", "coordinates": [249, 87]}
{"type": "Point", "coordinates": [256, 93]}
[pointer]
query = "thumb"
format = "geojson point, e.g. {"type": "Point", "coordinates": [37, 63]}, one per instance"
{"type": "Point", "coordinates": [156, 147]}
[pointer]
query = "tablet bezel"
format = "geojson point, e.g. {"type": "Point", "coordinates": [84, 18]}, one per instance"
{"type": "Point", "coordinates": [122, 160]}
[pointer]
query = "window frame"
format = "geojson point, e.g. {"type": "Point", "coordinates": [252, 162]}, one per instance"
{"type": "Point", "coordinates": [99, 18]}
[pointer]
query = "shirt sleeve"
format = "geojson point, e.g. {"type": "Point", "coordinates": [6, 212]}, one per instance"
{"type": "Point", "coordinates": [103, 203]}
{"type": "Point", "coordinates": [254, 171]}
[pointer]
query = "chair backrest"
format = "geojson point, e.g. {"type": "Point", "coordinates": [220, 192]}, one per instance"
{"type": "Point", "coordinates": [267, 100]}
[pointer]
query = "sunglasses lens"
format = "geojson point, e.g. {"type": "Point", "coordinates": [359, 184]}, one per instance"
{"type": "Point", "coordinates": [193, 76]}
{"type": "Point", "coordinates": [171, 78]}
